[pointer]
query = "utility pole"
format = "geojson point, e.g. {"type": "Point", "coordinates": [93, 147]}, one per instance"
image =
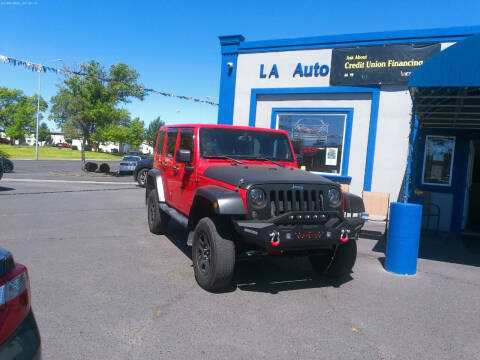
{"type": "Point", "coordinates": [39, 69]}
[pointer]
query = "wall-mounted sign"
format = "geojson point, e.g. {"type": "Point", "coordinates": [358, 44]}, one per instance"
{"type": "Point", "coordinates": [300, 71]}
{"type": "Point", "coordinates": [382, 64]}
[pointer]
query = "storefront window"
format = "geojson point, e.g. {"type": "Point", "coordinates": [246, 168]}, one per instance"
{"type": "Point", "coordinates": [317, 140]}
{"type": "Point", "coordinates": [438, 162]}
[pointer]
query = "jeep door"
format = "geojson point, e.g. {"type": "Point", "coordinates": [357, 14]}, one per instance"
{"type": "Point", "coordinates": [185, 173]}
{"type": "Point", "coordinates": [170, 178]}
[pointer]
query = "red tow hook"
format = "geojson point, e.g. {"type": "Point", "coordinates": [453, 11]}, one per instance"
{"type": "Point", "coordinates": [344, 236]}
{"type": "Point", "coordinates": [274, 238]}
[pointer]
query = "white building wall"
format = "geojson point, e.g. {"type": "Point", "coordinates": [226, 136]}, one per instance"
{"type": "Point", "coordinates": [248, 70]}
{"type": "Point", "coordinates": [391, 147]}
{"type": "Point", "coordinates": [394, 112]}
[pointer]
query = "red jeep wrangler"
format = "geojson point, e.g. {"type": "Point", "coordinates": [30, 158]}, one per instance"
{"type": "Point", "coordinates": [239, 192]}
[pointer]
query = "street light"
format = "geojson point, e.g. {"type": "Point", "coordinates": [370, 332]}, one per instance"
{"type": "Point", "coordinates": [38, 103]}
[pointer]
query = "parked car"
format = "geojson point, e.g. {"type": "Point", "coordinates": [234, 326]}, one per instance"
{"type": "Point", "coordinates": [141, 170]}
{"type": "Point", "coordinates": [128, 164]}
{"type": "Point", "coordinates": [19, 335]}
{"type": "Point", "coordinates": [63, 145]}
{"type": "Point", "coordinates": [136, 153]}
{"type": "Point", "coordinates": [238, 192]}
{"type": "Point", "coordinates": [7, 165]}
{"type": "Point", "coordinates": [4, 141]}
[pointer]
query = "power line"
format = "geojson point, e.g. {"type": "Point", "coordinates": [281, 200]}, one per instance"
{"type": "Point", "coordinates": [42, 68]}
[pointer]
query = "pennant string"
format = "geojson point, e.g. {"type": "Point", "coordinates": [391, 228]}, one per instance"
{"type": "Point", "coordinates": [66, 72]}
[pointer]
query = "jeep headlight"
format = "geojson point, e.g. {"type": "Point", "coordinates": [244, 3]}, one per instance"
{"type": "Point", "coordinates": [258, 197]}
{"type": "Point", "coordinates": [334, 198]}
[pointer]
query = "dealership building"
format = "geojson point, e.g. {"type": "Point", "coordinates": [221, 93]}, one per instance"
{"type": "Point", "coordinates": [352, 105]}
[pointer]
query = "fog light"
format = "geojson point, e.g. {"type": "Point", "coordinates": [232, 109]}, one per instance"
{"type": "Point", "coordinates": [288, 236]}
{"type": "Point", "coordinates": [307, 217]}
{"type": "Point", "coordinates": [315, 217]}
{"type": "Point", "coordinates": [328, 234]}
{"type": "Point", "coordinates": [299, 217]}
{"type": "Point", "coordinates": [254, 214]}
{"type": "Point", "coordinates": [291, 217]}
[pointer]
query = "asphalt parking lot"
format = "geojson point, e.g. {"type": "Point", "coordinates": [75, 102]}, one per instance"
{"type": "Point", "coordinates": [103, 287]}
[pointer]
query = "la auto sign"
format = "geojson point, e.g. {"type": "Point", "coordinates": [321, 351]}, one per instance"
{"type": "Point", "coordinates": [315, 70]}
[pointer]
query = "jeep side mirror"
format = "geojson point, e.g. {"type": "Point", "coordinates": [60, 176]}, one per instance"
{"type": "Point", "coordinates": [183, 155]}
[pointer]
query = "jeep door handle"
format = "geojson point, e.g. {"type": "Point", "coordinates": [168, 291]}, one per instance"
{"type": "Point", "coordinates": [174, 168]}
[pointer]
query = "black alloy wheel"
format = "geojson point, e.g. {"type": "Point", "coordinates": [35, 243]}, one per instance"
{"type": "Point", "coordinates": [203, 252]}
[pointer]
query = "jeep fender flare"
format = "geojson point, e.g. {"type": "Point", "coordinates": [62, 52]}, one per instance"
{"type": "Point", "coordinates": [212, 200]}
{"type": "Point", "coordinates": [155, 182]}
{"type": "Point", "coordinates": [353, 203]}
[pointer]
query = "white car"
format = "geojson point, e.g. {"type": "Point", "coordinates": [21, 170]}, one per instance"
{"type": "Point", "coordinates": [128, 164]}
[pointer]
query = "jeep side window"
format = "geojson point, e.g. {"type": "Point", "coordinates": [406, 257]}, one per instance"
{"type": "Point", "coordinates": [160, 142]}
{"type": "Point", "coordinates": [186, 141]}
{"type": "Point", "coordinates": [171, 141]}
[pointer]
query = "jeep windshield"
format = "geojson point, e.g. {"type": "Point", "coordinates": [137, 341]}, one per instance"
{"type": "Point", "coordinates": [244, 144]}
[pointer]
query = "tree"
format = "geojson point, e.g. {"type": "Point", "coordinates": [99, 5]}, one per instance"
{"type": "Point", "coordinates": [86, 103]}
{"type": "Point", "coordinates": [152, 131]}
{"type": "Point", "coordinates": [44, 133]}
{"type": "Point", "coordinates": [8, 101]}
{"type": "Point", "coordinates": [135, 133]}
{"type": "Point", "coordinates": [24, 116]}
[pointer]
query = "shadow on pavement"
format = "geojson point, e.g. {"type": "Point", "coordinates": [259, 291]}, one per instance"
{"type": "Point", "coordinates": [268, 274]}
{"type": "Point", "coordinates": [439, 246]}
{"type": "Point", "coordinates": [4, 188]}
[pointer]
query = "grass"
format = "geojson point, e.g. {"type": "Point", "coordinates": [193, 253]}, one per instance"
{"type": "Point", "coordinates": [48, 152]}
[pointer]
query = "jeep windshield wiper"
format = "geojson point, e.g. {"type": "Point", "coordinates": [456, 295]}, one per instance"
{"type": "Point", "coordinates": [264, 159]}
{"type": "Point", "coordinates": [224, 157]}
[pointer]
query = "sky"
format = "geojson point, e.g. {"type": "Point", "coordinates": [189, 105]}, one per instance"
{"type": "Point", "coordinates": [174, 44]}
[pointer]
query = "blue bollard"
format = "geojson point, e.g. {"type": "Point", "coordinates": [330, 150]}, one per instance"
{"type": "Point", "coordinates": [403, 238]}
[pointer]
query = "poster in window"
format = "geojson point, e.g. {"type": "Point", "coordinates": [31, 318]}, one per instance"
{"type": "Point", "coordinates": [331, 156]}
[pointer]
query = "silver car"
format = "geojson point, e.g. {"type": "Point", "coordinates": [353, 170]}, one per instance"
{"type": "Point", "coordinates": [128, 163]}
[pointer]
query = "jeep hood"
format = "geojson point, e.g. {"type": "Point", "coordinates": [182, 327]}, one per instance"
{"type": "Point", "coordinates": [258, 174]}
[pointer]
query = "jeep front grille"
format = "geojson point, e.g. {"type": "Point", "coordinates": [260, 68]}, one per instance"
{"type": "Point", "coordinates": [282, 201]}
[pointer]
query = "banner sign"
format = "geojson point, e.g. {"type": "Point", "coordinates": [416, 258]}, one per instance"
{"type": "Point", "coordinates": [382, 64]}
{"type": "Point", "coordinates": [67, 72]}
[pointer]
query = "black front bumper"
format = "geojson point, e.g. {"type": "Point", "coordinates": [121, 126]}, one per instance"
{"type": "Point", "coordinates": [298, 231]}
{"type": "Point", "coordinates": [24, 343]}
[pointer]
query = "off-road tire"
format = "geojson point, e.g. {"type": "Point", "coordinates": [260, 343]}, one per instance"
{"type": "Point", "coordinates": [157, 219]}
{"type": "Point", "coordinates": [142, 177]}
{"type": "Point", "coordinates": [320, 262]}
{"type": "Point", "coordinates": [343, 259]}
{"type": "Point", "coordinates": [7, 167]}
{"type": "Point", "coordinates": [216, 270]}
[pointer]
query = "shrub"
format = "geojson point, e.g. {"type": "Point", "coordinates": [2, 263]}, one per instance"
{"type": "Point", "coordinates": [74, 147]}
{"type": "Point", "coordinates": [91, 166]}
{"type": "Point", "coordinates": [104, 168]}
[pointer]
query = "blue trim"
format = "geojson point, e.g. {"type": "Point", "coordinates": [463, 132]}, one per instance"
{"type": "Point", "coordinates": [228, 76]}
{"type": "Point", "coordinates": [348, 129]}
{"type": "Point", "coordinates": [372, 137]}
{"type": "Point", "coordinates": [375, 38]}
{"type": "Point", "coordinates": [372, 133]}
{"type": "Point", "coordinates": [336, 178]}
